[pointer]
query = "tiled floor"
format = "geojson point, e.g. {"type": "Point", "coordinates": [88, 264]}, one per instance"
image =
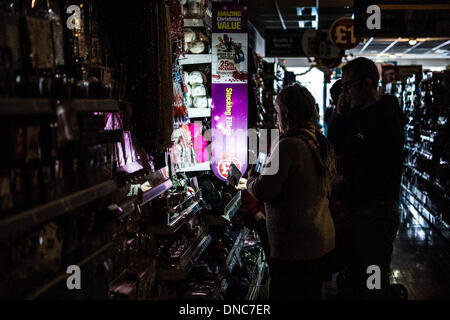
{"type": "Point", "coordinates": [421, 259]}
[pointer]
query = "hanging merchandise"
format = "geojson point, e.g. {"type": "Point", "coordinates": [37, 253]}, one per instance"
{"type": "Point", "coordinates": [179, 108]}
{"type": "Point", "coordinates": [142, 42]}
{"type": "Point", "coordinates": [200, 143]}
{"type": "Point", "coordinates": [229, 87]}
{"type": "Point", "coordinates": [176, 18]}
{"type": "Point", "coordinates": [179, 102]}
{"type": "Point", "coordinates": [182, 150]}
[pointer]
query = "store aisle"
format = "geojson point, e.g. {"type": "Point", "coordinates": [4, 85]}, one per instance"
{"type": "Point", "coordinates": [421, 258]}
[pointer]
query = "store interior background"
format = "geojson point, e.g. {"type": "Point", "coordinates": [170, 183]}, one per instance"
{"type": "Point", "coordinates": [421, 247]}
{"type": "Point", "coordinates": [139, 227]}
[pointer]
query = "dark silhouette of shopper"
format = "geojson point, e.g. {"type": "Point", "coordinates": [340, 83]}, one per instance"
{"type": "Point", "coordinates": [335, 91]}
{"type": "Point", "coordinates": [368, 137]}
{"type": "Point", "coordinates": [299, 224]}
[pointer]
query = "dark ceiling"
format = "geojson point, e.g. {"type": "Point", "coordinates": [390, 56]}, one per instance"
{"type": "Point", "coordinates": [272, 14]}
{"type": "Point", "coordinates": [264, 15]}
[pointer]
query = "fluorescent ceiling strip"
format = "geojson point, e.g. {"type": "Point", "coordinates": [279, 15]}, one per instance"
{"type": "Point", "coordinates": [366, 45]}
{"type": "Point", "coordinates": [439, 46]}
{"type": "Point", "coordinates": [389, 46]}
{"type": "Point", "coordinates": [414, 46]}
{"type": "Point", "coordinates": [275, 2]}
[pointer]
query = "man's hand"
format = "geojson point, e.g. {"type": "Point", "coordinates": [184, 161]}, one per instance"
{"type": "Point", "coordinates": [259, 215]}
{"type": "Point", "coordinates": [342, 107]}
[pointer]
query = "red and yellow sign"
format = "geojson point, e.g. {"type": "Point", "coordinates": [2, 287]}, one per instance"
{"type": "Point", "coordinates": [342, 33]}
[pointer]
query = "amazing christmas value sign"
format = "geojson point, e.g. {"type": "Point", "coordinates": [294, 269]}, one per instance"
{"type": "Point", "coordinates": [229, 87]}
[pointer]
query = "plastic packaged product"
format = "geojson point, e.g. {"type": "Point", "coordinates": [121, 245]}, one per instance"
{"type": "Point", "coordinates": [196, 77]}
{"type": "Point", "coordinates": [197, 47]}
{"type": "Point", "coordinates": [200, 102]}
{"type": "Point", "coordinates": [198, 90]}
{"type": "Point", "coordinates": [189, 35]}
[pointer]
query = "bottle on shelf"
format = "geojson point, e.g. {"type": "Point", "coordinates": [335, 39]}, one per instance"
{"type": "Point", "coordinates": [10, 47]}
{"type": "Point", "coordinates": [33, 163]}
{"type": "Point", "coordinates": [38, 49]}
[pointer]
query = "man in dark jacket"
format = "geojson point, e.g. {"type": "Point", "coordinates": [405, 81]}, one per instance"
{"type": "Point", "coordinates": [369, 141]}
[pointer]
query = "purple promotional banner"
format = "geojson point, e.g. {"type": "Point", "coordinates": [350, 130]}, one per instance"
{"type": "Point", "coordinates": [229, 128]}
{"type": "Point", "coordinates": [229, 17]}
{"type": "Point", "coordinates": [229, 87]}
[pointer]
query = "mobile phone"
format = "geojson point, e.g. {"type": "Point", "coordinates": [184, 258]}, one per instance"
{"type": "Point", "coordinates": [260, 162]}
{"type": "Point", "coordinates": [234, 175]}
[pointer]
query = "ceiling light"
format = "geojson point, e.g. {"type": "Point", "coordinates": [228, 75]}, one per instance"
{"type": "Point", "coordinates": [392, 56]}
{"type": "Point", "coordinates": [307, 11]}
{"type": "Point", "coordinates": [366, 45]}
{"type": "Point", "coordinates": [412, 42]}
{"type": "Point", "coordinates": [302, 24]}
{"type": "Point", "coordinates": [389, 47]}
{"type": "Point", "coordinates": [438, 47]}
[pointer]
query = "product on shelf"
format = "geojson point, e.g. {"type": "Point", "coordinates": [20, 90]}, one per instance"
{"type": "Point", "coordinates": [78, 184]}
{"type": "Point", "coordinates": [182, 151]}
{"type": "Point", "coordinates": [200, 102]}
{"type": "Point", "coordinates": [426, 103]}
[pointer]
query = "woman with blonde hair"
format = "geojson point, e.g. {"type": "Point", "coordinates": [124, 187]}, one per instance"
{"type": "Point", "coordinates": [299, 224]}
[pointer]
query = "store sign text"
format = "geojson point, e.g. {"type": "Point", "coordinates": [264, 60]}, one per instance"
{"type": "Point", "coordinates": [374, 20]}
{"type": "Point", "coordinates": [229, 20]}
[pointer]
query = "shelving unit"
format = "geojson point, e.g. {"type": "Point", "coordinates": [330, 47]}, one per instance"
{"type": "Point", "coordinates": [195, 59]}
{"type": "Point", "coordinates": [125, 207]}
{"type": "Point", "coordinates": [189, 22]}
{"type": "Point", "coordinates": [230, 210]}
{"type": "Point", "coordinates": [16, 107]}
{"type": "Point", "coordinates": [421, 190]}
{"type": "Point", "coordinates": [257, 278]}
{"type": "Point", "coordinates": [205, 166]}
{"type": "Point", "coordinates": [29, 106]}
{"type": "Point", "coordinates": [411, 199]}
{"type": "Point", "coordinates": [98, 256]}
{"type": "Point", "coordinates": [233, 256]}
{"type": "Point", "coordinates": [176, 224]}
{"type": "Point", "coordinates": [199, 112]}
{"type": "Point", "coordinates": [23, 221]}
{"type": "Point", "coordinates": [187, 261]}
{"type": "Point", "coordinates": [147, 196]}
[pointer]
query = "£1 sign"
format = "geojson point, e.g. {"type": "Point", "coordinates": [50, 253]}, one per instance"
{"type": "Point", "coordinates": [342, 33]}
{"type": "Point", "coordinates": [224, 167]}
